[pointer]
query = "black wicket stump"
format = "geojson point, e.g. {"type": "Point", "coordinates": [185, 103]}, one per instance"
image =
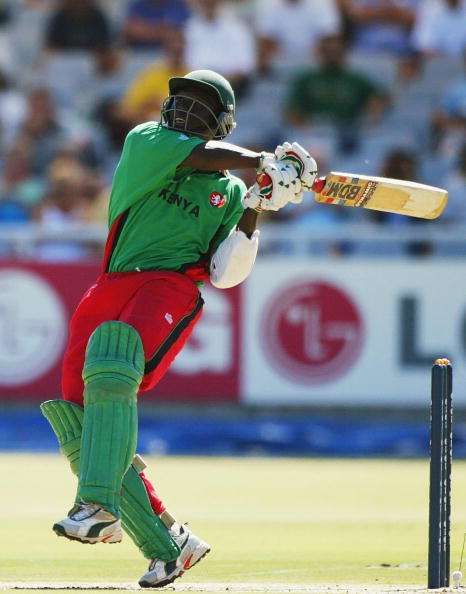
{"type": "Point", "coordinates": [440, 475]}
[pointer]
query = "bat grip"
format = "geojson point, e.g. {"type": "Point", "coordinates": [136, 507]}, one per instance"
{"type": "Point", "coordinates": [264, 180]}
{"type": "Point", "coordinates": [318, 185]}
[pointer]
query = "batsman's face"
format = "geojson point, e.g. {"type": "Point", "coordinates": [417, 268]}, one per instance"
{"type": "Point", "coordinates": [194, 113]}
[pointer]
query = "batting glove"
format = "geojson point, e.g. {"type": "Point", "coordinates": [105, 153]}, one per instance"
{"type": "Point", "coordinates": [299, 157]}
{"type": "Point", "coordinates": [277, 185]}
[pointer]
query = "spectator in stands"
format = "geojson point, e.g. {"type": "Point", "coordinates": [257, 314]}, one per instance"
{"type": "Point", "coordinates": [20, 190]}
{"type": "Point", "coordinates": [41, 130]}
{"type": "Point", "coordinates": [5, 12]}
{"type": "Point", "coordinates": [380, 25]}
{"type": "Point", "coordinates": [334, 93]}
{"type": "Point", "coordinates": [441, 27]}
{"type": "Point", "coordinates": [144, 97]}
{"type": "Point", "coordinates": [71, 188]}
{"type": "Point", "coordinates": [398, 163]}
{"type": "Point", "coordinates": [449, 121]}
{"type": "Point", "coordinates": [12, 212]}
{"type": "Point", "coordinates": [149, 23]}
{"type": "Point", "coordinates": [114, 125]}
{"type": "Point", "coordinates": [111, 74]}
{"type": "Point", "coordinates": [77, 25]}
{"type": "Point", "coordinates": [403, 164]}
{"type": "Point", "coordinates": [18, 181]}
{"type": "Point", "coordinates": [65, 199]}
{"type": "Point", "coordinates": [26, 32]}
{"type": "Point", "coordinates": [456, 186]}
{"type": "Point", "coordinates": [12, 110]}
{"type": "Point", "coordinates": [97, 197]}
{"type": "Point", "coordinates": [454, 102]}
{"type": "Point", "coordinates": [96, 76]}
{"type": "Point", "coordinates": [116, 11]}
{"type": "Point", "coordinates": [288, 30]}
{"type": "Point", "coordinates": [5, 23]}
{"type": "Point", "coordinates": [216, 39]}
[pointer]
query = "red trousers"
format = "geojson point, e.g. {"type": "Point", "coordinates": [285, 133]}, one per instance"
{"type": "Point", "coordinates": [162, 306]}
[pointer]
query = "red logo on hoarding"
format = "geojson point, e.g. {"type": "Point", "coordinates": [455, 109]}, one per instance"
{"type": "Point", "coordinates": [33, 326]}
{"type": "Point", "coordinates": [218, 200]}
{"type": "Point", "coordinates": [313, 332]}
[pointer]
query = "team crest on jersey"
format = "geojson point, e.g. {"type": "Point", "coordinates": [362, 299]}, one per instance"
{"type": "Point", "coordinates": [218, 200]}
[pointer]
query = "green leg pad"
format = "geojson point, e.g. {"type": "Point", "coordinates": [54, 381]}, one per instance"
{"type": "Point", "coordinates": [138, 518]}
{"type": "Point", "coordinates": [113, 370]}
{"type": "Point", "coordinates": [66, 420]}
{"type": "Point", "coordinates": [142, 525]}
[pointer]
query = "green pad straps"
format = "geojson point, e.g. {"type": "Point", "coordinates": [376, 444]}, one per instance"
{"type": "Point", "coordinates": [144, 527]}
{"type": "Point", "coordinates": [113, 370]}
{"type": "Point", "coordinates": [66, 420]}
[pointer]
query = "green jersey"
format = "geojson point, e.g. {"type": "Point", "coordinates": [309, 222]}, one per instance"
{"type": "Point", "coordinates": [333, 92]}
{"type": "Point", "coordinates": [163, 217]}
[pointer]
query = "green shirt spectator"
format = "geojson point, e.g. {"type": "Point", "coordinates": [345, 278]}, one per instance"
{"type": "Point", "coordinates": [332, 91]}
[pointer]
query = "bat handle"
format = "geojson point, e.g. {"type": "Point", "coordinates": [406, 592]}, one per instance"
{"type": "Point", "coordinates": [265, 181]}
{"type": "Point", "coordinates": [318, 185]}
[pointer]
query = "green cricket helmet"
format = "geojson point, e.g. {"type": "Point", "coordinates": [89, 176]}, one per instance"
{"type": "Point", "coordinates": [202, 103]}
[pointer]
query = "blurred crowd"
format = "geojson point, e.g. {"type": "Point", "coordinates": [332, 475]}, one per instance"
{"type": "Point", "coordinates": [369, 86]}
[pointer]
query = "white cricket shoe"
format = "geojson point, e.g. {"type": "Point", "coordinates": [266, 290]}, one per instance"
{"type": "Point", "coordinates": [89, 523]}
{"type": "Point", "coordinates": [162, 573]}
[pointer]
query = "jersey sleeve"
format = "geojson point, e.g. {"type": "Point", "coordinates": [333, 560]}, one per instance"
{"type": "Point", "coordinates": [233, 213]}
{"type": "Point", "coordinates": [151, 155]}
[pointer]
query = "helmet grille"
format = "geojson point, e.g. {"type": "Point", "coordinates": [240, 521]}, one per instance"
{"type": "Point", "coordinates": [187, 114]}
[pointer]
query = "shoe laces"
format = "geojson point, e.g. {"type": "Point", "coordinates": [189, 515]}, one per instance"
{"type": "Point", "coordinates": [153, 563]}
{"type": "Point", "coordinates": [82, 511]}
{"type": "Point", "coordinates": [182, 537]}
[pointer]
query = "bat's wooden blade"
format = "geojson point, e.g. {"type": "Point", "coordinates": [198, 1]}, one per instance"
{"type": "Point", "coordinates": [383, 194]}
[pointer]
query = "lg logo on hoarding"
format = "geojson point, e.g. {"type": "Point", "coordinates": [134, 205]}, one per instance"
{"type": "Point", "coordinates": [313, 332]}
{"type": "Point", "coordinates": [32, 327]}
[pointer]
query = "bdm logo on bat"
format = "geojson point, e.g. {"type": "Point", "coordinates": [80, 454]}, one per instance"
{"type": "Point", "coordinates": [360, 193]}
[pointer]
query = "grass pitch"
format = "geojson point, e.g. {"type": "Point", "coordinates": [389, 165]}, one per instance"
{"type": "Point", "coordinates": [269, 521]}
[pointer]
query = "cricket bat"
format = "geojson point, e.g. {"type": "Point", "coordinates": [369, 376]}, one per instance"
{"type": "Point", "coordinates": [381, 193]}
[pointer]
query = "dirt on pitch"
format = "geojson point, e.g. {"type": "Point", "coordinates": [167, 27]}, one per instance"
{"type": "Point", "coordinates": [232, 588]}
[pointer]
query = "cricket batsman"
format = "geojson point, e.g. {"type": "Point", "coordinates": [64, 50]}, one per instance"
{"type": "Point", "coordinates": [177, 217]}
